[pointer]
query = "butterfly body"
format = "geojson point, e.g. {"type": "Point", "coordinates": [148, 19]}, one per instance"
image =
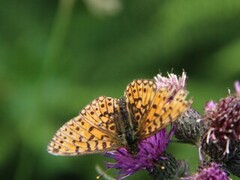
{"type": "Point", "coordinates": [126, 126]}
{"type": "Point", "coordinates": [107, 123]}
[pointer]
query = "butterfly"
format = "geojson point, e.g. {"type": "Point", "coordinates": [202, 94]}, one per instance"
{"type": "Point", "coordinates": [108, 123]}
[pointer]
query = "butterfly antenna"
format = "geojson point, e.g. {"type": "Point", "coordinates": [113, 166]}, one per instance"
{"type": "Point", "coordinates": [103, 173]}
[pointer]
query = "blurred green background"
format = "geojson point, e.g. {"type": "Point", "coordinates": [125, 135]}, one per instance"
{"type": "Point", "coordinates": [57, 56]}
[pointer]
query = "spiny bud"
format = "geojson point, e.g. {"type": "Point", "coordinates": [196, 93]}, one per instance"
{"type": "Point", "coordinates": [167, 167]}
{"type": "Point", "coordinates": [188, 128]}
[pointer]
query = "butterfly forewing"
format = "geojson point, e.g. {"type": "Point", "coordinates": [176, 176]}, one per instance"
{"type": "Point", "coordinates": [101, 113]}
{"type": "Point", "coordinates": [164, 110]}
{"type": "Point", "coordinates": [154, 108]}
{"type": "Point", "coordinates": [92, 131]}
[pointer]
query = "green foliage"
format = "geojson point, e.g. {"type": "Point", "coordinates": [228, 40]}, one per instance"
{"type": "Point", "coordinates": [56, 56]}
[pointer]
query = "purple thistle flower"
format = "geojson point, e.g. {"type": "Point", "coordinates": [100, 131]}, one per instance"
{"type": "Point", "coordinates": [224, 120]}
{"type": "Point", "coordinates": [210, 106]}
{"type": "Point", "coordinates": [150, 150]}
{"type": "Point", "coordinates": [237, 87]}
{"type": "Point", "coordinates": [212, 171]}
{"type": "Point", "coordinates": [172, 82]}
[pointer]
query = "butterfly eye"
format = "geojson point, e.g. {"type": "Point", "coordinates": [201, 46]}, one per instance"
{"type": "Point", "coordinates": [122, 102]}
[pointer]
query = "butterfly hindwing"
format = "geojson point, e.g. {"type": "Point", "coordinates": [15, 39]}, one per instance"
{"type": "Point", "coordinates": [139, 95]}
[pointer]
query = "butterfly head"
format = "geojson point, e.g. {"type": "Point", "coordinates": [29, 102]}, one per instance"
{"type": "Point", "coordinates": [133, 149]}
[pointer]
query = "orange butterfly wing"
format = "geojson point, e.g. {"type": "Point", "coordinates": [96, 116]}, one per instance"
{"type": "Point", "coordinates": [139, 96]}
{"type": "Point", "coordinates": [92, 131]}
{"type": "Point", "coordinates": [154, 108]}
{"type": "Point", "coordinates": [165, 109]}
